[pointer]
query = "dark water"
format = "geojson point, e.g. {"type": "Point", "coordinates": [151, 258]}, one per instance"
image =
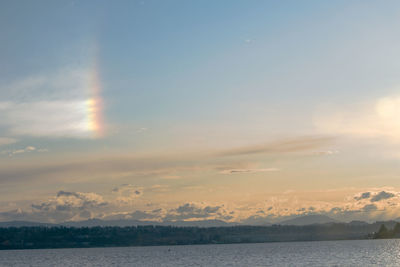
{"type": "Point", "coordinates": [325, 253]}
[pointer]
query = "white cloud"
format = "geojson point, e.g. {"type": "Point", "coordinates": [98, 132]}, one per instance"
{"type": "Point", "coordinates": [54, 105]}
{"type": "Point", "coordinates": [47, 118]}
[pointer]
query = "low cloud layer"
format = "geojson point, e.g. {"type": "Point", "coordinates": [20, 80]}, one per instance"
{"type": "Point", "coordinates": [125, 194]}
{"type": "Point", "coordinates": [365, 195]}
{"type": "Point", "coordinates": [190, 211]}
{"type": "Point", "coordinates": [381, 196]}
{"type": "Point", "coordinates": [70, 206]}
{"type": "Point", "coordinates": [375, 197]}
{"type": "Point", "coordinates": [123, 202]}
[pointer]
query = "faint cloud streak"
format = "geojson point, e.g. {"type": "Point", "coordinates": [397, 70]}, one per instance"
{"type": "Point", "coordinates": [281, 146]}
{"type": "Point", "coordinates": [239, 171]}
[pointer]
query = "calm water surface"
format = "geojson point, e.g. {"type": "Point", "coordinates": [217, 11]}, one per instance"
{"type": "Point", "coordinates": [325, 253]}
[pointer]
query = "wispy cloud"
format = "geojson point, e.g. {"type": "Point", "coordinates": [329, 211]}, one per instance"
{"type": "Point", "coordinates": [171, 177]}
{"type": "Point", "coordinates": [54, 105]}
{"type": "Point", "coordinates": [238, 171]}
{"type": "Point", "coordinates": [299, 144]}
{"type": "Point", "coordinates": [7, 141]}
{"type": "Point", "coordinates": [170, 166]}
{"type": "Point", "coordinates": [377, 119]}
{"type": "Point", "coordinates": [326, 152]}
{"type": "Point", "coordinates": [65, 83]}
{"type": "Point", "coordinates": [142, 130]}
{"type": "Point", "coordinates": [27, 149]}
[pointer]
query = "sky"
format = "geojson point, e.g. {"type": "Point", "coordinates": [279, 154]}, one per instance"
{"type": "Point", "coordinates": [242, 111]}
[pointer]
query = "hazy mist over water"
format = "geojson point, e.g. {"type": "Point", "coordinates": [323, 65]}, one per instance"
{"type": "Point", "coordinates": [319, 253]}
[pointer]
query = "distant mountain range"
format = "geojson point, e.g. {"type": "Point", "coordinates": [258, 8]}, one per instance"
{"type": "Point", "coordinates": [25, 224]}
{"type": "Point", "coordinates": [119, 223]}
{"type": "Point", "coordinates": [309, 219]}
{"type": "Point", "coordinates": [302, 220]}
{"type": "Point", "coordinates": [123, 223]}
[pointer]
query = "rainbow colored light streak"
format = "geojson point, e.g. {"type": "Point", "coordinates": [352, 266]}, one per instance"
{"type": "Point", "coordinates": [94, 105]}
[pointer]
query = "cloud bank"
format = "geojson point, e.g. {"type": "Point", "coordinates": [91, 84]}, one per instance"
{"type": "Point", "coordinates": [75, 206]}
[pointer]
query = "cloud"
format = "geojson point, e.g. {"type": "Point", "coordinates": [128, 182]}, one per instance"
{"type": "Point", "coordinates": [28, 149]}
{"type": "Point", "coordinates": [7, 141]}
{"type": "Point", "coordinates": [377, 119]}
{"type": "Point", "coordinates": [171, 177]}
{"type": "Point", "coordinates": [125, 194]}
{"type": "Point", "coordinates": [170, 166]}
{"type": "Point", "coordinates": [55, 105]}
{"type": "Point", "coordinates": [67, 201]}
{"type": "Point", "coordinates": [65, 83]}
{"type": "Point", "coordinates": [190, 211]}
{"type": "Point", "coordinates": [120, 167]}
{"type": "Point", "coordinates": [142, 130]}
{"type": "Point", "coordinates": [370, 207]}
{"type": "Point", "coordinates": [363, 196]}
{"type": "Point", "coordinates": [238, 171]}
{"type": "Point", "coordinates": [74, 206]}
{"type": "Point", "coordinates": [47, 118]}
{"type": "Point", "coordinates": [71, 205]}
{"type": "Point", "coordinates": [136, 215]}
{"type": "Point", "coordinates": [382, 195]}
{"type": "Point", "coordinates": [298, 144]}
{"type": "Point", "coordinates": [327, 152]}
{"type": "Point", "coordinates": [159, 188]}
{"type": "Point", "coordinates": [18, 214]}
{"type": "Point", "coordinates": [66, 206]}
{"type": "Point", "coordinates": [375, 196]}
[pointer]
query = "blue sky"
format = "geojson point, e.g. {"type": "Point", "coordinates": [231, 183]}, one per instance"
{"type": "Point", "coordinates": [199, 103]}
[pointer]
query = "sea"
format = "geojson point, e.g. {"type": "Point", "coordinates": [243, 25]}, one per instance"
{"type": "Point", "coordinates": [315, 253]}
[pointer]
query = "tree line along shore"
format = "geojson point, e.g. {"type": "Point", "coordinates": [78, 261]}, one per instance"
{"type": "Point", "coordinates": [82, 237]}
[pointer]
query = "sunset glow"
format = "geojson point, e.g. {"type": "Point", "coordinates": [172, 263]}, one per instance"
{"type": "Point", "coordinates": [240, 111]}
